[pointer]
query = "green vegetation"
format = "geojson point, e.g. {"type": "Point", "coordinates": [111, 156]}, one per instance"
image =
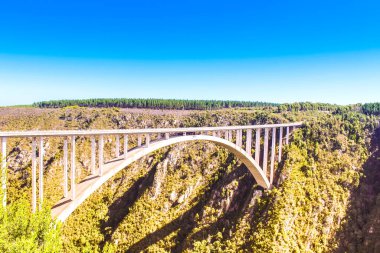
{"type": "Point", "coordinates": [323, 107]}
{"type": "Point", "coordinates": [22, 231]}
{"type": "Point", "coordinates": [371, 108]}
{"type": "Point", "coordinates": [322, 168]}
{"type": "Point", "coordinates": [196, 197]}
{"type": "Point", "coordinates": [178, 104]}
{"type": "Point", "coordinates": [151, 103]}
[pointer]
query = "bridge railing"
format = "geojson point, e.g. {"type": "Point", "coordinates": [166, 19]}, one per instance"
{"type": "Point", "coordinates": [264, 141]}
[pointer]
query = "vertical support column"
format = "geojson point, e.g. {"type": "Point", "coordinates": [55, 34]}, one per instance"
{"type": "Point", "coordinates": [273, 155]}
{"type": "Point", "coordinates": [184, 133]}
{"type": "Point", "coordinates": [265, 157]}
{"type": "Point", "coordinates": [226, 135]}
{"type": "Point", "coordinates": [73, 170]}
{"type": "Point", "coordinates": [230, 135]}
{"type": "Point", "coordinates": [239, 137]}
{"type": "Point", "coordinates": [93, 155]}
{"type": "Point", "coordinates": [257, 145]}
{"type": "Point", "coordinates": [34, 175]}
{"type": "Point", "coordinates": [101, 146]}
{"type": "Point", "coordinates": [280, 145]}
{"type": "Point", "coordinates": [117, 146]}
{"type": "Point", "coordinates": [159, 136]}
{"type": "Point", "coordinates": [139, 140]}
{"type": "Point", "coordinates": [41, 174]}
{"type": "Point", "coordinates": [219, 134]}
{"type": "Point", "coordinates": [167, 136]}
{"type": "Point", "coordinates": [65, 168]}
{"type": "Point", "coordinates": [248, 143]}
{"type": "Point", "coordinates": [214, 133]}
{"type": "Point", "coordinates": [125, 146]}
{"type": "Point", "coordinates": [147, 140]}
{"type": "Point", "coordinates": [4, 169]}
{"type": "Point", "coordinates": [287, 136]}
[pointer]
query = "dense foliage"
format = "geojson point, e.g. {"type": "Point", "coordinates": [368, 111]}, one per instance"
{"type": "Point", "coordinates": [324, 107]}
{"type": "Point", "coordinates": [152, 103]}
{"type": "Point", "coordinates": [322, 169]}
{"type": "Point", "coordinates": [22, 231]}
{"type": "Point", "coordinates": [371, 108]}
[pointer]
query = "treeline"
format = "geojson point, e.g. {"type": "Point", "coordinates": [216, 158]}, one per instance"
{"type": "Point", "coordinates": [368, 109]}
{"type": "Point", "coordinates": [308, 106]}
{"type": "Point", "coordinates": [183, 104]}
{"type": "Point", "coordinates": [371, 108]}
{"type": "Point", "coordinates": [152, 103]}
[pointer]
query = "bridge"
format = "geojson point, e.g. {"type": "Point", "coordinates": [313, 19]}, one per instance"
{"type": "Point", "coordinates": [266, 141]}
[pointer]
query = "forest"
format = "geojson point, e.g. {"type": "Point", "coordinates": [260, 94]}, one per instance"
{"type": "Point", "coordinates": [371, 108]}
{"type": "Point", "coordinates": [150, 103]}
{"type": "Point", "coordinates": [178, 104]}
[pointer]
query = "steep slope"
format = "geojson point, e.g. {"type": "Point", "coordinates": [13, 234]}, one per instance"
{"type": "Point", "coordinates": [361, 233]}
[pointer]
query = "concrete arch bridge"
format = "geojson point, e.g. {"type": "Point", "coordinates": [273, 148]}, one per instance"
{"type": "Point", "coordinates": [266, 140]}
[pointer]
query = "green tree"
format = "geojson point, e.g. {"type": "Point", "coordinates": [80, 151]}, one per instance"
{"type": "Point", "coordinates": [24, 231]}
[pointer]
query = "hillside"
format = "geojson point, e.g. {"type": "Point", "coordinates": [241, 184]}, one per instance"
{"type": "Point", "coordinates": [198, 198]}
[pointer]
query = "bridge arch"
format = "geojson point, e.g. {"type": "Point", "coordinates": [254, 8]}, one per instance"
{"type": "Point", "coordinates": [64, 208]}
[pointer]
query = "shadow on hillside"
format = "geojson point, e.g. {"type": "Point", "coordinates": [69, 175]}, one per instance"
{"type": "Point", "coordinates": [354, 234]}
{"type": "Point", "coordinates": [187, 222]}
{"type": "Point", "coordinates": [227, 222]}
{"type": "Point", "coordinates": [120, 208]}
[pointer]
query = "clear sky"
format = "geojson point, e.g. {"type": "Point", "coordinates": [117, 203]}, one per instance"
{"type": "Point", "coordinates": [276, 51]}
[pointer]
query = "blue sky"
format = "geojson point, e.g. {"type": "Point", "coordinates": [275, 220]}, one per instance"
{"type": "Point", "coordinates": [278, 51]}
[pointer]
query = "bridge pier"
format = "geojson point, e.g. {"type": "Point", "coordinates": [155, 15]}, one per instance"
{"type": "Point", "coordinates": [125, 146]}
{"type": "Point", "coordinates": [248, 143]}
{"type": "Point", "coordinates": [265, 155]}
{"type": "Point", "coordinates": [139, 140]}
{"type": "Point", "coordinates": [65, 169]}
{"type": "Point", "coordinates": [4, 169]}
{"type": "Point", "coordinates": [73, 168]}
{"type": "Point", "coordinates": [147, 140]}
{"type": "Point", "coordinates": [100, 159]}
{"type": "Point", "coordinates": [93, 155]}
{"type": "Point", "coordinates": [41, 174]}
{"type": "Point", "coordinates": [258, 145]}
{"type": "Point", "coordinates": [239, 137]}
{"type": "Point", "coordinates": [34, 175]}
{"type": "Point", "coordinates": [280, 145]}
{"type": "Point", "coordinates": [273, 154]}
